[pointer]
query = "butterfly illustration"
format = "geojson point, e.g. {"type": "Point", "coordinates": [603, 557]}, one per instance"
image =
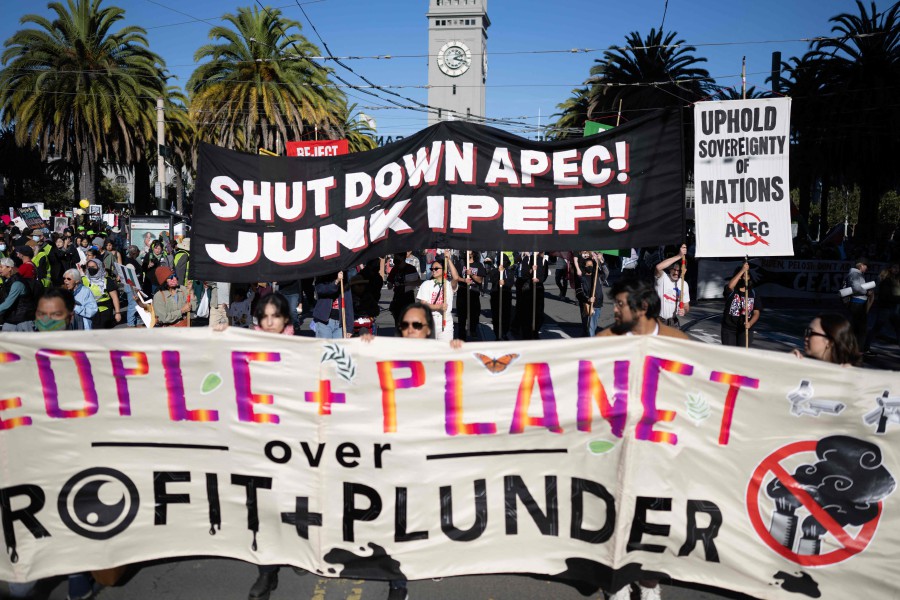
{"type": "Point", "coordinates": [497, 365]}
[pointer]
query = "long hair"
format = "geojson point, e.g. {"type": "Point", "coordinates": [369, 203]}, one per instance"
{"type": "Point", "coordinates": [844, 347]}
{"type": "Point", "coordinates": [279, 302]}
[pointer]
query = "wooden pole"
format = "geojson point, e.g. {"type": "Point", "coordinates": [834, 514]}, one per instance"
{"type": "Point", "coordinates": [468, 295]}
{"type": "Point", "coordinates": [444, 290]}
{"type": "Point", "coordinates": [619, 116]}
{"type": "Point", "coordinates": [681, 285]}
{"type": "Point", "coordinates": [746, 305]}
{"type": "Point", "coordinates": [343, 311]}
{"type": "Point", "coordinates": [500, 294]}
{"type": "Point", "coordinates": [593, 292]}
{"type": "Point", "coordinates": [534, 276]}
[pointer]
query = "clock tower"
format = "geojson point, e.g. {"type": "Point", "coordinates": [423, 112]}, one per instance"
{"type": "Point", "coordinates": [457, 59]}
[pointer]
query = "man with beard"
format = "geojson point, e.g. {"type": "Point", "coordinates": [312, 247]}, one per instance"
{"type": "Point", "coordinates": [636, 311]}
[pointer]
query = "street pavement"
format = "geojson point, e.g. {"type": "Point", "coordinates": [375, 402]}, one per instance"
{"type": "Point", "coordinates": [779, 330]}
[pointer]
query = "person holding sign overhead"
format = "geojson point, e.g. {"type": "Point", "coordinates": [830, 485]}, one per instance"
{"type": "Point", "coordinates": [673, 290]}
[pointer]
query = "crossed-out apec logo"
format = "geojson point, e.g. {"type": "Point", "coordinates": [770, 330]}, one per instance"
{"type": "Point", "coordinates": [747, 229]}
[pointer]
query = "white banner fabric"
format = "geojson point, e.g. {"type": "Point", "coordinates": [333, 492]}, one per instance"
{"type": "Point", "coordinates": [597, 461]}
{"type": "Point", "coordinates": [742, 190]}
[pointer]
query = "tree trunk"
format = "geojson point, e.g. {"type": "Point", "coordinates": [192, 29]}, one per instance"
{"type": "Point", "coordinates": [87, 178]}
{"type": "Point", "coordinates": [142, 202]}
{"type": "Point", "coordinates": [869, 196]}
{"type": "Point", "coordinates": [823, 208]}
{"type": "Point", "coordinates": [804, 189]}
{"type": "Point", "coordinates": [179, 191]}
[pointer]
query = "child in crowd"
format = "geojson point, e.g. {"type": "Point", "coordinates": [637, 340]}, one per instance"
{"type": "Point", "coordinates": [239, 310]}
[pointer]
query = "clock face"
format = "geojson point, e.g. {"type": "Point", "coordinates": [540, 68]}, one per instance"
{"type": "Point", "coordinates": [454, 58]}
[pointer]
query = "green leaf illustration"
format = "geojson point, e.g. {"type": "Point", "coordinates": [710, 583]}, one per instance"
{"type": "Point", "coordinates": [600, 446]}
{"type": "Point", "coordinates": [697, 408]}
{"type": "Point", "coordinates": [211, 383]}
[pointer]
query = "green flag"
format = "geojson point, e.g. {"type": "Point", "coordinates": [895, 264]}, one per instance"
{"type": "Point", "coordinates": [591, 127]}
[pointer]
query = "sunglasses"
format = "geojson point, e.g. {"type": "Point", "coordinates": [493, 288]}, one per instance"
{"type": "Point", "coordinates": [417, 325]}
{"type": "Point", "coordinates": [808, 332]}
{"type": "Point", "coordinates": [172, 277]}
{"type": "Point", "coordinates": [436, 269]}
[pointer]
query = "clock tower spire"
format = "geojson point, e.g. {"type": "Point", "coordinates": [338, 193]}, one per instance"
{"type": "Point", "coordinates": [457, 59]}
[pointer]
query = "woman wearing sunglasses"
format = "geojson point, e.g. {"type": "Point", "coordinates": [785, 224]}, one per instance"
{"type": "Point", "coordinates": [437, 295]}
{"type": "Point", "coordinates": [830, 337]}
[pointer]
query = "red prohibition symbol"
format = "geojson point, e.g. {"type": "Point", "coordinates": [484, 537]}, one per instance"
{"type": "Point", "coordinates": [753, 222]}
{"type": "Point", "coordinates": [771, 466]}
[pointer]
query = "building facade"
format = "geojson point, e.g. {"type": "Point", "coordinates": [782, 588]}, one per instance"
{"type": "Point", "coordinates": [457, 59]}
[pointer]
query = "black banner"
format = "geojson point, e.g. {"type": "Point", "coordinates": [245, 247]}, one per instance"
{"type": "Point", "coordinates": [453, 185]}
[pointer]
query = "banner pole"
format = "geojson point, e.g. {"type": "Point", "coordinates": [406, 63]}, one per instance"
{"type": "Point", "coordinates": [593, 291]}
{"type": "Point", "coordinates": [343, 311]}
{"type": "Point", "coordinates": [468, 294]}
{"type": "Point", "coordinates": [681, 286]}
{"type": "Point", "coordinates": [619, 116]}
{"type": "Point", "coordinates": [746, 304]}
{"type": "Point", "coordinates": [500, 294]}
{"type": "Point", "coordinates": [533, 293]}
{"type": "Point", "coordinates": [444, 289]}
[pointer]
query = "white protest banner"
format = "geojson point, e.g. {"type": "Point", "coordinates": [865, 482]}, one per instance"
{"type": "Point", "coordinates": [742, 191]}
{"type": "Point", "coordinates": [595, 461]}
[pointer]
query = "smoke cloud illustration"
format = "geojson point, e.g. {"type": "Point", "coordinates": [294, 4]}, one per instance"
{"type": "Point", "coordinates": [848, 481]}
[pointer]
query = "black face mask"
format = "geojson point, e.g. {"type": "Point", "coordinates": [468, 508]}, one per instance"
{"type": "Point", "coordinates": [589, 270]}
{"type": "Point", "coordinates": [93, 271]}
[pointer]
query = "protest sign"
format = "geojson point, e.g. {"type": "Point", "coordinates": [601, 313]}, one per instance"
{"type": "Point", "coordinates": [741, 151]}
{"type": "Point", "coordinates": [596, 461]}
{"type": "Point", "coordinates": [145, 229]}
{"type": "Point", "coordinates": [31, 216]}
{"type": "Point", "coordinates": [318, 148]}
{"type": "Point", "coordinates": [455, 184]}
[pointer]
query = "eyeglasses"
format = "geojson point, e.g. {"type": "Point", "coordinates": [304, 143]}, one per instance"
{"type": "Point", "coordinates": [68, 279]}
{"type": "Point", "coordinates": [417, 325]}
{"type": "Point", "coordinates": [172, 277]}
{"type": "Point", "coordinates": [808, 332]}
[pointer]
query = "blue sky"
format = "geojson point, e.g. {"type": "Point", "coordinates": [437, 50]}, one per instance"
{"type": "Point", "coordinates": [521, 85]}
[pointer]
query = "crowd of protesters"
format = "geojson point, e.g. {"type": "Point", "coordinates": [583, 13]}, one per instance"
{"type": "Point", "coordinates": [86, 259]}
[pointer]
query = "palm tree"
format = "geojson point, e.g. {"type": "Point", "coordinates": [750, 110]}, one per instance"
{"type": "Point", "coordinates": [355, 130]}
{"type": "Point", "coordinates": [653, 72]}
{"type": "Point", "coordinates": [260, 85]}
{"type": "Point", "coordinates": [571, 116]}
{"type": "Point", "coordinates": [733, 93]}
{"type": "Point", "coordinates": [75, 85]}
{"type": "Point", "coordinates": [859, 125]}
